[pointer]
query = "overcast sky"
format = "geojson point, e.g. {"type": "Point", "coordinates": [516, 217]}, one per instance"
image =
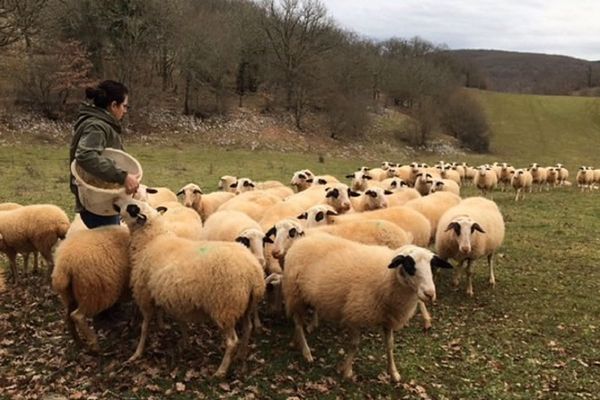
{"type": "Point", "coordinates": [567, 27]}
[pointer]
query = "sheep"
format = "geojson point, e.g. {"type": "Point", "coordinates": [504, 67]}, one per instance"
{"type": "Point", "coordinates": [596, 176]}
{"type": "Point", "coordinates": [283, 192]}
{"type": "Point", "coordinates": [395, 184]}
{"type": "Point", "coordinates": [372, 199]}
{"type": "Point", "coordinates": [433, 207]}
{"type": "Point", "coordinates": [32, 228]}
{"type": "Point", "coordinates": [423, 182]}
{"type": "Point", "coordinates": [336, 196]}
{"type": "Point", "coordinates": [254, 203]}
{"type": "Point", "coordinates": [204, 204]}
{"type": "Point", "coordinates": [242, 185]}
{"type": "Point", "coordinates": [552, 176]}
{"type": "Point", "coordinates": [450, 173]}
{"type": "Point", "coordinates": [406, 218]}
{"type": "Point", "coordinates": [299, 179]}
{"type": "Point", "coordinates": [444, 185]}
{"type": "Point", "coordinates": [538, 174]}
{"type": "Point", "coordinates": [470, 174]}
{"type": "Point", "coordinates": [91, 275]}
{"type": "Point", "coordinates": [506, 174]}
{"type": "Point", "coordinates": [472, 229]}
{"type": "Point", "coordinates": [264, 185]}
{"type": "Point", "coordinates": [378, 174]}
{"type": "Point", "coordinates": [230, 226]}
{"type": "Point", "coordinates": [318, 215]}
{"type": "Point", "coordinates": [182, 221]}
{"type": "Point", "coordinates": [359, 180]}
{"type": "Point", "coordinates": [405, 173]}
{"type": "Point", "coordinates": [521, 181]}
{"type": "Point", "coordinates": [486, 179]}
{"type": "Point", "coordinates": [191, 280]}
{"type": "Point", "coordinates": [12, 206]}
{"type": "Point", "coordinates": [225, 183]}
{"type": "Point", "coordinates": [563, 174]}
{"type": "Point", "coordinates": [154, 196]}
{"type": "Point", "coordinates": [585, 178]}
{"type": "Point", "coordinates": [349, 283]}
{"type": "Point", "coordinates": [322, 180]}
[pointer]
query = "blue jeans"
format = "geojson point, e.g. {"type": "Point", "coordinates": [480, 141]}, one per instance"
{"type": "Point", "coordinates": [92, 220]}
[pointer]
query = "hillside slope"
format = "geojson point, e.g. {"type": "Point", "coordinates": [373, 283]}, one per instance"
{"type": "Point", "coordinates": [545, 129]}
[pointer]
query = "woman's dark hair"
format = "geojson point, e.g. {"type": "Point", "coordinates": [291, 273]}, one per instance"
{"type": "Point", "coordinates": [106, 92]}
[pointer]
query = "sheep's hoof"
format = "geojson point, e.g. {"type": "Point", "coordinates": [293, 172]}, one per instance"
{"type": "Point", "coordinates": [132, 359]}
{"type": "Point", "coordinates": [347, 373]}
{"type": "Point", "coordinates": [94, 348]}
{"type": "Point", "coordinates": [470, 293]}
{"type": "Point", "coordinates": [308, 357]}
{"type": "Point", "coordinates": [220, 374]}
{"type": "Point", "coordinates": [395, 376]}
{"type": "Point", "coordinates": [427, 328]}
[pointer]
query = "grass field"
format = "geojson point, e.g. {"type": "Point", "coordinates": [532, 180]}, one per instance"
{"type": "Point", "coordinates": [537, 335]}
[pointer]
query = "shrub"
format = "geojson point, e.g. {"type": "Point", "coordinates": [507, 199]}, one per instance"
{"type": "Point", "coordinates": [465, 119]}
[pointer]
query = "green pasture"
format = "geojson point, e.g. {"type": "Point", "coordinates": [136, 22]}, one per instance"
{"type": "Point", "coordinates": [537, 335]}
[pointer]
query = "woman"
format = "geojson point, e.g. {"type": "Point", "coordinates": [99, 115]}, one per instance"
{"type": "Point", "coordinates": [98, 127]}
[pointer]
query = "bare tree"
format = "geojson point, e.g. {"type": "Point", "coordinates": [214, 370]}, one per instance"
{"type": "Point", "coordinates": [299, 33]}
{"type": "Point", "coordinates": [20, 20]}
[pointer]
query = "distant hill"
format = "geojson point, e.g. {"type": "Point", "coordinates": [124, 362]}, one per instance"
{"type": "Point", "coordinates": [532, 73]}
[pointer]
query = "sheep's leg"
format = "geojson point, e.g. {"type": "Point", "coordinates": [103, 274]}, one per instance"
{"type": "Point", "coordinates": [185, 337]}
{"type": "Point", "coordinates": [231, 342]}
{"type": "Point", "coordinates": [457, 273]}
{"type": "Point", "coordinates": [517, 195]}
{"type": "Point", "coordinates": [47, 254]}
{"type": "Point", "coordinates": [300, 339]}
{"type": "Point", "coordinates": [12, 258]}
{"type": "Point", "coordinates": [79, 319]}
{"type": "Point", "coordinates": [425, 314]}
{"type": "Point", "coordinates": [346, 366]}
{"type": "Point", "coordinates": [242, 351]}
{"type": "Point", "coordinates": [256, 324]}
{"type": "Point", "coordinates": [25, 263]}
{"type": "Point", "coordinates": [389, 349]}
{"type": "Point", "coordinates": [71, 306]}
{"type": "Point", "coordinates": [160, 319]}
{"type": "Point", "coordinates": [147, 314]}
{"type": "Point", "coordinates": [36, 262]}
{"type": "Point", "coordinates": [469, 277]}
{"type": "Point", "coordinates": [490, 258]}
{"type": "Point", "coordinates": [314, 323]}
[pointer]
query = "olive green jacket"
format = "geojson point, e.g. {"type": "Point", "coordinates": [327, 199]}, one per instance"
{"type": "Point", "coordinates": [95, 130]}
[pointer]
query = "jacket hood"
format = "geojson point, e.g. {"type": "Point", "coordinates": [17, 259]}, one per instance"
{"type": "Point", "coordinates": [88, 110]}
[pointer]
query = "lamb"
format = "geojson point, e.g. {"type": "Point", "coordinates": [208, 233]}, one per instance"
{"type": "Point", "coordinates": [225, 183]}
{"type": "Point", "coordinates": [349, 283]}
{"type": "Point", "coordinates": [230, 226]}
{"type": "Point", "coordinates": [406, 218]}
{"type": "Point", "coordinates": [506, 174]}
{"type": "Point", "coordinates": [433, 207]}
{"type": "Point", "coordinates": [300, 179]}
{"type": "Point", "coordinates": [154, 196]}
{"type": "Point", "coordinates": [32, 228]}
{"type": "Point", "coordinates": [521, 181]}
{"type": "Point", "coordinates": [191, 280]}
{"type": "Point", "coordinates": [472, 229]}
{"type": "Point", "coordinates": [552, 178]}
{"type": "Point", "coordinates": [91, 275]}
{"type": "Point", "coordinates": [486, 179]}
{"type": "Point", "coordinates": [242, 185]}
{"type": "Point", "coordinates": [204, 204]}
{"type": "Point", "coordinates": [444, 185]}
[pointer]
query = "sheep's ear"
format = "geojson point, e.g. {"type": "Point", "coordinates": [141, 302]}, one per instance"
{"type": "Point", "coordinates": [367, 177]}
{"type": "Point", "coordinates": [198, 191]}
{"type": "Point", "coordinates": [243, 240]}
{"type": "Point", "coordinates": [151, 190]}
{"type": "Point", "coordinates": [402, 183]}
{"type": "Point", "coordinates": [161, 209]}
{"type": "Point", "coordinates": [439, 184]}
{"type": "Point", "coordinates": [439, 262]}
{"type": "Point", "coordinates": [267, 239]}
{"type": "Point", "coordinates": [234, 184]}
{"type": "Point", "coordinates": [301, 176]}
{"type": "Point", "coordinates": [352, 193]}
{"type": "Point", "coordinates": [141, 219]}
{"type": "Point", "coordinates": [331, 212]}
{"type": "Point", "coordinates": [350, 176]}
{"type": "Point", "coordinates": [271, 232]}
{"type": "Point", "coordinates": [406, 262]}
{"type": "Point", "coordinates": [388, 192]}
{"type": "Point", "coordinates": [116, 208]}
{"type": "Point", "coordinates": [371, 193]}
{"type": "Point", "coordinates": [179, 193]}
{"type": "Point", "coordinates": [310, 180]}
{"type": "Point", "coordinates": [455, 226]}
{"type": "Point", "coordinates": [332, 193]}
{"type": "Point", "coordinates": [302, 216]}
{"type": "Point", "coordinates": [322, 181]}
{"type": "Point", "coordinates": [476, 227]}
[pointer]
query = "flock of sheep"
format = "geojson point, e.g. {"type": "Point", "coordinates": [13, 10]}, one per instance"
{"type": "Point", "coordinates": [353, 254]}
